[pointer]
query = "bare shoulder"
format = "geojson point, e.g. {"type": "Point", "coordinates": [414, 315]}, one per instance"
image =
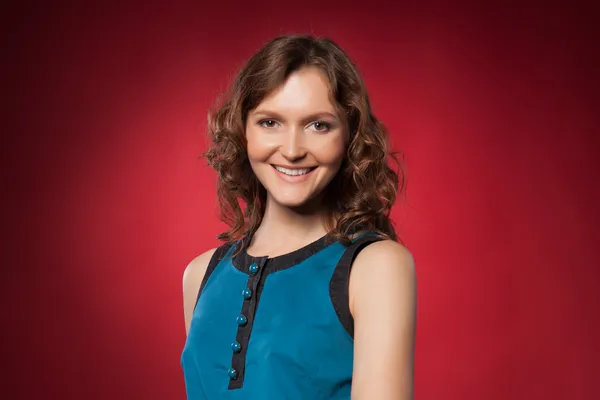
{"type": "Point", "coordinates": [192, 278]}
{"type": "Point", "coordinates": [194, 272]}
{"type": "Point", "coordinates": [380, 269]}
{"type": "Point", "coordinates": [384, 258]}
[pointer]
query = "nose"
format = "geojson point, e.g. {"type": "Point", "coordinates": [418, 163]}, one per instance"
{"type": "Point", "coordinates": [292, 147]}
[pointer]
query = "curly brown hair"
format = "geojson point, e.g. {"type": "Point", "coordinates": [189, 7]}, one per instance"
{"type": "Point", "coordinates": [361, 195]}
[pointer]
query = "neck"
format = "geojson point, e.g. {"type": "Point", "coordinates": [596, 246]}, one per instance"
{"type": "Point", "coordinates": [282, 226]}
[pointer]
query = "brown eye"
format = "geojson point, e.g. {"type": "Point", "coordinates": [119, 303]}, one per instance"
{"type": "Point", "coordinates": [267, 123]}
{"type": "Point", "coordinates": [321, 126]}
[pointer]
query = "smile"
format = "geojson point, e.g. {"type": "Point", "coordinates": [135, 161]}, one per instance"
{"type": "Point", "coordinates": [294, 171]}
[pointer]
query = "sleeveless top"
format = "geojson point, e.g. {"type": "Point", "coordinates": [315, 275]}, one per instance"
{"type": "Point", "coordinates": [273, 328]}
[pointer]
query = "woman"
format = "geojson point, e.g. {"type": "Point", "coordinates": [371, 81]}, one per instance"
{"type": "Point", "coordinates": [274, 313]}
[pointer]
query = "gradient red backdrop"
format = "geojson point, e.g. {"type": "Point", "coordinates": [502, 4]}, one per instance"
{"type": "Point", "coordinates": [494, 107]}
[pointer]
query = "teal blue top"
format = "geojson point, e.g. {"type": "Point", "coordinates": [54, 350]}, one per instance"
{"type": "Point", "coordinates": [273, 328]}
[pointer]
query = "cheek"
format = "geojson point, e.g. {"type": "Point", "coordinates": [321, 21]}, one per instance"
{"type": "Point", "coordinates": [254, 148]}
{"type": "Point", "coordinates": [332, 153]}
{"type": "Point", "coordinates": [257, 148]}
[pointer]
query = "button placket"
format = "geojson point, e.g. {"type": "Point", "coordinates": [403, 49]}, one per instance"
{"type": "Point", "coordinates": [245, 321]}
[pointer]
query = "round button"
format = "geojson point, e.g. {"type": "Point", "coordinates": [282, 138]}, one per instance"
{"type": "Point", "coordinates": [247, 293]}
{"type": "Point", "coordinates": [253, 269]}
{"type": "Point", "coordinates": [241, 320]}
{"type": "Point", "coordinates": [236, 347]}
{"type": "Point", "coordinates": [233, 374]}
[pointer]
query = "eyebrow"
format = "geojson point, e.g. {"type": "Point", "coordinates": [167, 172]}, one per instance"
{"type": "Point", "coordinates": [311, 117]}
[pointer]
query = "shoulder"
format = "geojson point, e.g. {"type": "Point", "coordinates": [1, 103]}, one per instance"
{"type": "Point", "coordinates": [387, 251]}
{"type": "Point", "coordinates": [382, 269]}
{"type": "Point", "coordinates": [195, 270]}
{"type": "Point", "coordinates": [384, 257]}
{"type": "Point", "coordinates": [192, 279]}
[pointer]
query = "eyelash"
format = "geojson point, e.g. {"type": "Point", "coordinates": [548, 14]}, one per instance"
{"type": "Point", "coordinates": [326, 125]}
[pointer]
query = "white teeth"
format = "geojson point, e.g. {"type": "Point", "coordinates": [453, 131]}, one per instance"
{"type": "Point", "coordinates": [293, 172]}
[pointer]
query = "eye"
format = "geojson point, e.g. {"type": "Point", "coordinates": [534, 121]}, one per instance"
{"type": "Point", "coordinates": [267, 123]}
{"type": "Point", "coordinates": [321, 126]}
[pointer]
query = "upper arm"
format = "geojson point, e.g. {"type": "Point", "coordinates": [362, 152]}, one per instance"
{"type": "Point", "coordinates": [192, 278]}
{"type": "Point", "coordinates": [383, 303]}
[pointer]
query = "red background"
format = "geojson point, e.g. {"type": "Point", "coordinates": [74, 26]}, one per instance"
{"type": "Point", "coordinates": [495, 109]}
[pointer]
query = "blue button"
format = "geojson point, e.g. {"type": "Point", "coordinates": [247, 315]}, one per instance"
{"type": "Point", "coordinates": [232, 373]}
{"type": "Point", "coordinates": [241, 320]}
{"type": "Point", "coordinates": [247, 293]}
{"type": "Point", "coordinates": [253, 269]}
{"type": "Point", "coordinates": [236, 347]}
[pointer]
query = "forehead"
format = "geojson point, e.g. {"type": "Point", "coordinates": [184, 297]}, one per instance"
{"type": "Point", "coordinates": [305, 91]}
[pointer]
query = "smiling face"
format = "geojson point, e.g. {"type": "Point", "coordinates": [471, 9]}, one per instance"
{"type": "Point", "coordinates": [296, 140]}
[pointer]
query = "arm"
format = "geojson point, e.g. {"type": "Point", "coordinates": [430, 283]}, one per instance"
{"type": "Point", "coordinates": [382, 296]}
{"type": "Point", "coordinates": [192, 278]}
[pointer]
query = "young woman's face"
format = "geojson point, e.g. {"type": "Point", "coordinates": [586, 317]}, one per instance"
{"type": "Point", "coordinates": [296, 140]}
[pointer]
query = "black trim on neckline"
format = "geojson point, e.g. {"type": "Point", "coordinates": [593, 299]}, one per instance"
{"type": "Point", "coordinates": [242, 260]}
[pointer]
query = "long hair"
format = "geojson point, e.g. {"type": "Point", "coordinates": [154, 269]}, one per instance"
{"type": "Point", "coordinates": [363, 192]}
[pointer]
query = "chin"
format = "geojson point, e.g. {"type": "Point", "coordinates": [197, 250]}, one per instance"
{"type": "Point", "coordinates": [291, 201]}
{"type": "Point", "coordinates": [296, 201]}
